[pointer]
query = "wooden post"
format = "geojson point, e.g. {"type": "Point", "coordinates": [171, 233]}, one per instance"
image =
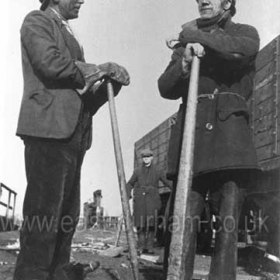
{"type": "Point", "coordinates": [14, 206]}
{"type": "Point", "coordinates": [176, 266]}
{"type": "Point", "coordinates": [122, 183]}
{"type": "Point", "coordinates": [120, 223]}
{"type": "Point", "coordinates": [8, 205]}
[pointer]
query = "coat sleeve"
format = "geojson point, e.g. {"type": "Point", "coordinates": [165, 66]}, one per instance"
{"type": "Point", "coordinates": [241, 42]}
{"type": "Point", "coordinates": [47, 60]}
{"type": "Point", "coordinates": [164, 180]}
{"type": "Point", "coordinates": [97, 96]}
{"type": "Point", "coordinates": [131, 183]}
{"type": "Point", "coordinates": [173, 83]}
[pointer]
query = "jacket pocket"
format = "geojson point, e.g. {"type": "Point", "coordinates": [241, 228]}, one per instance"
{"type": "Point", "coordinates": [42, 98]}
{"type": "Point", "coordinates": [231, 105]}
{"type": "Point", "coordinates": [223, 115]}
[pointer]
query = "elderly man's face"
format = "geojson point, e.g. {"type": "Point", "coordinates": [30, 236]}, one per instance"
{"type": "Point", "coordinates": [211, 8]}
{"type": "Point", "coordinates": [69, 9]}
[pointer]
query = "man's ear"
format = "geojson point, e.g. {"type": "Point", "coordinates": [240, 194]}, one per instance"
{"type": "Point", "coordinates": [227, 4]}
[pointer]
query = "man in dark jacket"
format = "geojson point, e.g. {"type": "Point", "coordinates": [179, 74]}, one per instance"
{"type": "Point", "coordinates": [61, 94]}
{"type": "Point", "coordinates": [146, 201]}
{"type": "Point", "coordinates": [224, 155]}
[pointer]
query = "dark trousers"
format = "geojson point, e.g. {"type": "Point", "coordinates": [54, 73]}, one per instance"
{"type": "Point", "coordinates": [51, 205]}
{"type": "Point", "coordinates": [226, 196]}
{"type": "Point", "coordinates": [146, 237]}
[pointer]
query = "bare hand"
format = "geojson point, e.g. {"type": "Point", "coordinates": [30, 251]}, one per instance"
{"type": "Point", "coordinates": [192, 49]}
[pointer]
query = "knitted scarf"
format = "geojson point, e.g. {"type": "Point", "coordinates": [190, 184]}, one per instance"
{"type": "Point", "coordinates": [213, 23]}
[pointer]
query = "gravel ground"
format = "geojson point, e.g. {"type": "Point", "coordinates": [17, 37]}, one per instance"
{"type": "Point", "coordinates": [118, 268]}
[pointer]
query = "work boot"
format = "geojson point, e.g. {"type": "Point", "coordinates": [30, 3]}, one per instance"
{"type": "Point", "coordinates": [224, 261]}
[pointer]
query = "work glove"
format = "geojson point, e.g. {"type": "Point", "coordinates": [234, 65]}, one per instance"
{"type": "Point", "coordinates": [91, 74]}
{"type": "Point", "coordinates": [115, 72]}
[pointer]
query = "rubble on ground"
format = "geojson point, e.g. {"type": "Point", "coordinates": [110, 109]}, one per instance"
{"type": "Point", "coordinates": [95, 251]}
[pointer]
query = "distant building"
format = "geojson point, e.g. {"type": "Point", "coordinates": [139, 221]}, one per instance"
{"type": "Point", "coordinates": [93, 211]}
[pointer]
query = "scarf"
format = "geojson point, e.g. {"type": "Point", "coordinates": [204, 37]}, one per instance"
{"type": "Point", "coordinates": [218, 21]}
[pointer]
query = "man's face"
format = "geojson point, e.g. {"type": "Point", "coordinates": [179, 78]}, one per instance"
{"type": "Point", "coordinates": [147, 160]}
{"type": "Point", "coordinates": [69, 9]}
{"type": "Point", "coordinates": [210, 8]}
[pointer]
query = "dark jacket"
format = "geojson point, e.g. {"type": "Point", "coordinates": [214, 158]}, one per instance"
{"type": "Point", "coordinates": [146, 200]}
{"type": "Point", "coordinates": [51, 106]}
{"type": "Point", "coordinates": [222, 139]}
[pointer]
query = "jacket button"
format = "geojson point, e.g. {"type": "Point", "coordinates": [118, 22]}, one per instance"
{"type": "Point", "coordinates": [209, 126]}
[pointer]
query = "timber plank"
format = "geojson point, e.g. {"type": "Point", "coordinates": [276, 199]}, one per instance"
{"type": "Point", "coordinates": [266, 54]}
{"type": "Point", "coordinates": [264, 92]}
{"type": "Point", "coordinates": [265, 74]}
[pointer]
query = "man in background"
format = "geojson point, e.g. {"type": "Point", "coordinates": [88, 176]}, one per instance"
{"type": "Point", "coordinates": [61, 94]}
{"type": "Point", "coordinates": [146, 199]}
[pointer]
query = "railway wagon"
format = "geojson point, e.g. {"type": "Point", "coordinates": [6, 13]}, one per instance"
{"type": "Point", "coordinates": [264, 196]}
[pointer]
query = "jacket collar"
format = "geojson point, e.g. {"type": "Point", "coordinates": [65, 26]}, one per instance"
{"type": "Point", "coordinates": [54, 15]}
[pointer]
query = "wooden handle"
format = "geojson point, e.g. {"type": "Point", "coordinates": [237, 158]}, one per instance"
{"type": "Point", "coordinates": [178, 246]}
{"type": "Point", "coordinates": [122, 182]}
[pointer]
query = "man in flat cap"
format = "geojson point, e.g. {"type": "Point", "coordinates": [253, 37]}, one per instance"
{"type": "Point", "coordinates": [224, 155]}
{"type": "Point", "coordinates": [146, 201]}
{"type": "Point", "coordinates": [61, 94]}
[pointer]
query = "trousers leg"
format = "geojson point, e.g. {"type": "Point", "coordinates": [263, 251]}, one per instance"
{"type": "Point", "coordinates": [224, 261]}
{"type": "Point", "coordinates": [53, 193]}
{"type": "Point", "coordinates": [69, 220]}
{"type": "Point", "coordinates": [150, 239]}
{"type": "Point", "coordinates": [49, 169]}
{"type": "Point", "coordinates": [141, 234]}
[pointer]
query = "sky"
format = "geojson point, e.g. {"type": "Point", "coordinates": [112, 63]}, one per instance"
{"type": "Point", "coordinates": [131, 33]}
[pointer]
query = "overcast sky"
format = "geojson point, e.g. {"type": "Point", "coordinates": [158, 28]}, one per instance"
{"type": "Point", "coordinates": [131, 33]}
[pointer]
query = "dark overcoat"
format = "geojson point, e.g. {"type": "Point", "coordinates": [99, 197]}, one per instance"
{"type": "Point", "coordinates": [222, 138]}
{"type": "Point", "coordinates": [146, 199]}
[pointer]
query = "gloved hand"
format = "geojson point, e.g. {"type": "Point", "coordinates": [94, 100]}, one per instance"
{"type": "Point", "coordinates": [91, 74]}
{"type": "Point", "coordinates": [115, 72]}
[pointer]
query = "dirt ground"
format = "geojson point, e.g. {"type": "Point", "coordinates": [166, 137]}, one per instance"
{"type": "Point", "coordinates": [118, 268]}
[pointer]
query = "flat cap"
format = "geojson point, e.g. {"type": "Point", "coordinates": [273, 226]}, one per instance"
{"type": "Point", "coordinates": [97, 193]}
{"type": "Point", "coordinates": [147, 152]}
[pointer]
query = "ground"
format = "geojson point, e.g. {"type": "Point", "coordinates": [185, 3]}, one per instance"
{"type": "Point", "coordinates": [88, 246]}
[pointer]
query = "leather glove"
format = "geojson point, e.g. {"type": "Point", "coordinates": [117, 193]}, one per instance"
{"type": "Point", "coordinates": [115, 72]}
{"type": "Point", "coordinates": [91, 74]}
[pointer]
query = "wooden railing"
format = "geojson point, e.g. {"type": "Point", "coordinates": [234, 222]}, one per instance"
{"type": "Point", "coordinates": [10, 205]}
